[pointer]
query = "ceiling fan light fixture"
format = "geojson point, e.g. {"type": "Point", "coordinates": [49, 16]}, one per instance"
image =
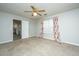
{"type": "Point", "coordinates": [34, 14]}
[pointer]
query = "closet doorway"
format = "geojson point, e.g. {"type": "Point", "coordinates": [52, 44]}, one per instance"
{"type": "Point", "coordinates": [17, 28]}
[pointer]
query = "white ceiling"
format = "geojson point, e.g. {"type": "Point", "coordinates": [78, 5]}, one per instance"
{"type": "Point", "coordinates": [51, 8]}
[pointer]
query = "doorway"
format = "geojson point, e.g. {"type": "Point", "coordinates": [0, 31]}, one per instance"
{"type": "Point", "coordinates": [17, 25]}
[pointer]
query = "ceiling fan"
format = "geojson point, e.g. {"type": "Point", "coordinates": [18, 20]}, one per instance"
{"type": "Point", "coordinates": [36, 11]}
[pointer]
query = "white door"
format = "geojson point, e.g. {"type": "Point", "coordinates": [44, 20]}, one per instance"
{"type": "Point", "coordinates": [25, 29]}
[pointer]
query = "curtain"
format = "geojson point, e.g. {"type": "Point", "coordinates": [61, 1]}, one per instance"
{"type": "Point", "coordinates": [56, 28]}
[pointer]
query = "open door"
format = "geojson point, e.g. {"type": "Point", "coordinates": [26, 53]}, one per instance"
{"type": "Point", "coordinates": [17, 29]}
{"type": "Point", "coordinates": [25, 29]}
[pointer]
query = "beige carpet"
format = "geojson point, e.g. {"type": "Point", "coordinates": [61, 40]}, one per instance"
{"type": "Point", "coordinates": [37, 47]}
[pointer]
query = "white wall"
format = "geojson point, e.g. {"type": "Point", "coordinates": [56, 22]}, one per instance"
{"type": "Point", "coordinates": [69, 26]}
{"type": "Point", "coordinates": [6, 26]}
{"type": "Point", "coordinates": [33, 28]}
{"type": "Point", "coordinates": [38, 27]}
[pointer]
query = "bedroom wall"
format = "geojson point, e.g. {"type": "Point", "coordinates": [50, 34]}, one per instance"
{"type": "Point", "coordinates": [69, 26]}
{"type": "Point", "coordinates": [38, 27]}
{"type": "Point", "coordinates": [32, 28]}
{"type": "Point", "coordinates": [6, 26]}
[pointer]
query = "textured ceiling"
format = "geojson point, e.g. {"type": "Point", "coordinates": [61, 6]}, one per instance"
{"type": "Point", "coordinates": [51, 8]}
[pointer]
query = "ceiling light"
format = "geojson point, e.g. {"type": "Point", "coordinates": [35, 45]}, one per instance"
{"type": "Point", "coordinates": [34, 14]}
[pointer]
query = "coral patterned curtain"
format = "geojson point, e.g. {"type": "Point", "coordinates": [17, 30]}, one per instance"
{"type": "Point", "coordinates": [56, 28]}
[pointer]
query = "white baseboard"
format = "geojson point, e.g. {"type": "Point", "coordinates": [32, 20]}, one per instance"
{"type": "Point", "coordinates": [70, 43]}
{"type": "Point", "coordinates": [6, 41]}
{"type": "Point", "coordinates": [63, 42]}
{"type": "Point", "coordinates": [44, 38]}
{"type": "Point", "coordinates": [48, 38]}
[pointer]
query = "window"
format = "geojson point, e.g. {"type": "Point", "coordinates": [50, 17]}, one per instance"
{"type": "Point", "coordinates": [48, 29]}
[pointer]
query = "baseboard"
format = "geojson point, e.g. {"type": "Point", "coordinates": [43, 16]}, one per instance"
{"type": "Point", "coordinates": [48, 38]}
{"type": "Point", "coordinates": [6, 41]}
{"type": "Point", "coordinates": [43, 38]}
{"type": "Point", "coordinates": [70, 43]}
{"type": "Point", "coordinates": [63, 42]}
{"type": "Point", "coordinates": [32, 37]}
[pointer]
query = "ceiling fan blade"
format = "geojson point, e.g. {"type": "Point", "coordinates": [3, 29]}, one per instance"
{"type": "Point", "coordinates": [27, 11]}
{"type": "Point", "coordinates": [33, 7]}
{"type": "Point", "coordinates": [42, 11]}
{"type": "Point", "coordinates": [39, 14]}
{"type": "Point", "coordinates": [36, 10]}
